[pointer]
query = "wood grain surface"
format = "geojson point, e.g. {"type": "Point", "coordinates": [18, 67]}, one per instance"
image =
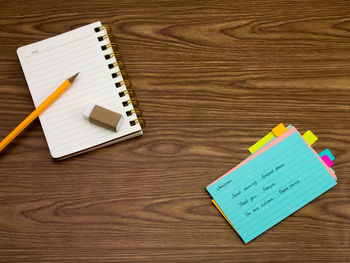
{"type": "Point", "coordinates": [211, 78]}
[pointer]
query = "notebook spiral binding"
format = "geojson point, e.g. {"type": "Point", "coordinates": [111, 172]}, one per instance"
{"type": "Point", "coordinates": [125, 83]}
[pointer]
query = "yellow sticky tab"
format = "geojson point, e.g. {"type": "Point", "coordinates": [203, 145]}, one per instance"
{"type": "Point", "coordinates": [216, 205]}
{"type": "Point", "coordinates": [279, 129]}
{"type": "Point", "coordinates": [310, 137]}
{"type": "Point", "coordinates": [267, 138]}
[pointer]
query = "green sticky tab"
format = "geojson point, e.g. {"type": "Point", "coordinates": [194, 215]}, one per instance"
{"type": "Point", "coordinates": [309, 137]}
{"type": "Point", "coordinates": [267, 138]}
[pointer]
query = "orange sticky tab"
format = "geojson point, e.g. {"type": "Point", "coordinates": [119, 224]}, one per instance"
{"type": "Point", "coordinates": [279, 129]}
{"type": "Point", "coordinates": [216, 205]}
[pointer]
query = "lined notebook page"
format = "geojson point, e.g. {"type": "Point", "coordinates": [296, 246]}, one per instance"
{"type": "Point", "coordinates": [272, 186]}
{"type": "Point", "coordinates": [48, 63]}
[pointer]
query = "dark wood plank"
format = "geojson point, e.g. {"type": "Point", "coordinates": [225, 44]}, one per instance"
{"type": "Point", "coordinates": [211, 78]}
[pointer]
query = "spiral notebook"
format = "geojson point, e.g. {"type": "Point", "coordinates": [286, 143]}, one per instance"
{"type": "Point", "coordinates": [91, 51]}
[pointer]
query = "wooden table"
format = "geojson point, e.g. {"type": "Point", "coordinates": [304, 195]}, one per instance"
{"type": "Point", "coordinates": [211, 78]}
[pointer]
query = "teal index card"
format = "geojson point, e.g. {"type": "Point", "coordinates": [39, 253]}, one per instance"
{"type": "Point", "coordinates": [272, 186]}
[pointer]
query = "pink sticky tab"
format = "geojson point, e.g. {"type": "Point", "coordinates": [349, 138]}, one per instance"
{"type": "Point", "coordinates": [328, 161]}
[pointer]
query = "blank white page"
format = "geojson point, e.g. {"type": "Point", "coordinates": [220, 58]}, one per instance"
{"type": "Point", "coordinates": [48, 63]}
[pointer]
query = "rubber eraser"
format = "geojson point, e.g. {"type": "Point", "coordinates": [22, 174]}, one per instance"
{"type": "Point", "coordinates": [88, 110]}
{"type": "Point", "coordinates": [103, 117]}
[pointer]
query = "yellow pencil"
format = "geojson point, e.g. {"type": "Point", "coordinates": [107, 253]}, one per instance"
{"type": "Point", "coordinates": [42, 107]}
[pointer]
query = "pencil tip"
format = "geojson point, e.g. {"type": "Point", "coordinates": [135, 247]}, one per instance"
{"type": "Point", "coordinates": [72, 78]}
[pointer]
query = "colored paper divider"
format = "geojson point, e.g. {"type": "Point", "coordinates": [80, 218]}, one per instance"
{"type": "Point", "coordinates": [279, 130]}
{"type": "Point", "coordinates": [266, 139]}
{"type": "Point", "coordinates": [327, 160]}
{"type": "Point", "coordinates": [222, 213]}
{"type": "Point", "coordinates": [309, 137]}
{"type": "Point", "coordinates": [328, 153]}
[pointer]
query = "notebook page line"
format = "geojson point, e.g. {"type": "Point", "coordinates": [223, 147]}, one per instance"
{"type": "Point", "coordinates": [64, 108]}
{"type": "Point", "coordinates": [84, 140]}
{"type": "Point", "coordinates": [80, 50]}
{"type": "Point", "coordinates": [99, 134]}
{"type": "Point", "coordinates": [83, 94]}
{"type": "Point", "coordinates": [57, 70]}
{"type": "Point", "coordinates": [54, 65]}
{"type": "Point", "coordinates": [70, 69]}
{"type": "Point", "coordinates": [62, 133]}
{"type": "Point", "coordinates": [79, 86]}
{"type": "Point", "coordinates": [64, 44]}
{"type": "Point", "coordinates": [91, 127]}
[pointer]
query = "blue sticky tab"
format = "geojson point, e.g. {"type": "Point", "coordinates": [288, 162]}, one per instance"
{"type": "Point", "coordinates": [328, 153]}
{"type": "Point", "coordinates": [272, 186]}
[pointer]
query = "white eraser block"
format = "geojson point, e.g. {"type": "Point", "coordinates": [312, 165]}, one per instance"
{"type": "Point", "coordinates": [88, 110]}
{"type": "Point", "coordinates": [120, 123]}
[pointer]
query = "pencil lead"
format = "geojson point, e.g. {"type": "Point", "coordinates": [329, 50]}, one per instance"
{"type": "Point", "coordinates": [72, 78]}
